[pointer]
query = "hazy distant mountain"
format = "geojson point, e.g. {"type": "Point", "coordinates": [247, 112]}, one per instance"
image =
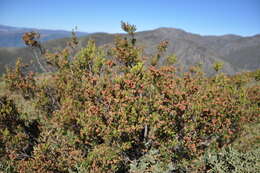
{"type": "Point", "coordinates": [11, 36]}
{"type": "Point", "coordinates": [238, 53]}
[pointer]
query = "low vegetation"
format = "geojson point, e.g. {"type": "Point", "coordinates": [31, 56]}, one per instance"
{"type": "Point", "coordinates": [118, 111]}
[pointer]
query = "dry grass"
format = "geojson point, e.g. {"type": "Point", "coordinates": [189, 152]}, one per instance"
{"type": "Point", "coordinates": [250, 138]}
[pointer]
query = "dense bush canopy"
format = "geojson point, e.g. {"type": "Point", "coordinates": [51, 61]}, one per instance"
{"type": "Point", "coordinates": [108, 111]}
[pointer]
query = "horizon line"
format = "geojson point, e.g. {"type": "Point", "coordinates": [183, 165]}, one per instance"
{"type": "Point", "coordinates": [163, 27]}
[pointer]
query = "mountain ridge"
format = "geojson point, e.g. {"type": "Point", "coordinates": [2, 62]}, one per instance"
{"type": "Point", "coordinates": [12, 36]}
{"type": "Point", "coordinates": [238, 53]}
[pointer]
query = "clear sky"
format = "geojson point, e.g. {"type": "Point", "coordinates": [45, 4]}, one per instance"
{"type": "Point", "coordinates": [205, 17]}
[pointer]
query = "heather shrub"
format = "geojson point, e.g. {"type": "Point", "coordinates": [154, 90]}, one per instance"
{"type": "Point", "coordinates": [254, 94]}
{"type": "Point", "coordinates": [17, 136]}
{"type": "Point", "coordinates": [115, 112]}
{"type": "Point", "coordinates": [20, 80]}
{"type": "Point", "coordinates": [57, 152]}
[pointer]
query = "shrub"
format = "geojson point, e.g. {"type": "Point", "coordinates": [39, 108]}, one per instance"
{"type": "Point", "coordinates": [100, 114]}
{"type": "Point", "coordinates": [150, 162]}
{"type": "Point", "coordinates": [17, 136]}
{"type": "Point", "coordinates": [230, 160]}
{"type": "Point", "coordinates": [20, 80]}
{"type": "Point", "coordinates": [257, 75]}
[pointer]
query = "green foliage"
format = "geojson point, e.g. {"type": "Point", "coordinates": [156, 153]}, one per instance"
{"type": "Point", "coordinates": [257, 75]}
{"type": "Point", "coordinates": [150, 162]}
{"type": "Point", "coordinates": [218, 66]}
{"type": "Point", "coordinates": [171, 59]}
{"type": "Point", "coordinates": [230, 160]}
{"type": "Point", "coordinates": [117, 113]}
{"type": "Point", "coordinates": [90, 58]}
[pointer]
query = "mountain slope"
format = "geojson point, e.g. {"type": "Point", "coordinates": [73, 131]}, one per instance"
{"type": "Point", "coordinates": [238, 53]}
{"type": "Point", "coordinates": [12, 36]}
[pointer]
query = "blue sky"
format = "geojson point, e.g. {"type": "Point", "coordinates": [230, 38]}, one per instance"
{"type": "Point", "coordinates": [205, 17]}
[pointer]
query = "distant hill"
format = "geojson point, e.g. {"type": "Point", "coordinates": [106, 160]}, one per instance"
{"type": "Point", "coordinates": [238, 53]}
{"type": "Point", "coordinates": [11, 36]}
